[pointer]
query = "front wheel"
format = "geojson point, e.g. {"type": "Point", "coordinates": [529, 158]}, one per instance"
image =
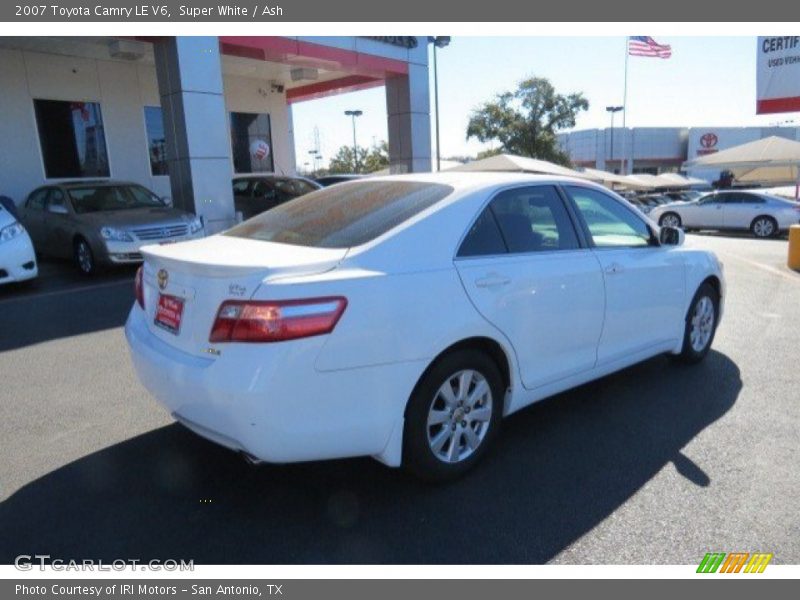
{"type": "Point", "coordinates": [452, 415]}
{"type": "Point", "coordinates": [84, 257]}
{"type": "Point", "coordinates": [670, 219]}
{"type": "Point", "coordinates": [701, 325]}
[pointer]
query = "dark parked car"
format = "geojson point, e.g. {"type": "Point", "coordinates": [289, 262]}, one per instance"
{"type": "Point", "coordinates": [253, 194]}
{"type": "Point", "coordinates": [102, 222]}
{"type": "Point", "coordinates": [327, 180]}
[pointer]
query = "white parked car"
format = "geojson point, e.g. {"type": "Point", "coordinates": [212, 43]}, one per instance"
{"type": "Point", "coordinates": [764, 215]}
{"type": "Point", "coordinates": [404, 317]}
{"type": "Point", "coordinates": [17, 258]}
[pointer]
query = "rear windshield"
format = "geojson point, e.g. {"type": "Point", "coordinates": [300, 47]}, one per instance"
{"type": "Point", "coordinates": [344, 215]}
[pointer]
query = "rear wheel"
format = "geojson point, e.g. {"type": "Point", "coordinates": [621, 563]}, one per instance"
{"type": "Point", "coordinates": [670, 219]}
{"type": "Point", "coordinates": [453, 415]}
{"type": "Point", "coordinates": [764, 227]}
{"type": "Point", "coordinates": [701, 324]}
{"type": "Point", "coordinates": [84, 257]}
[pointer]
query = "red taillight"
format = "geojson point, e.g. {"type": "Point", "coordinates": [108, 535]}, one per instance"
{"type": "Point", "coordinates": [139, 286]}
{"type": "Point", "coordinates": [276, 321]}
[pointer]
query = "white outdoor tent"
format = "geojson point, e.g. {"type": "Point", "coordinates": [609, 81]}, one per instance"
{"type": "Point", "coordinates": [612, 179]}
{"type": "Point", "coordinates": [645, 181]}
{"type": "Point", "coordinates": [520, 164]}
{"type": "Point", "coordinates": [772, 159]}
{"type": "Point", "coordinates": [675, 180]}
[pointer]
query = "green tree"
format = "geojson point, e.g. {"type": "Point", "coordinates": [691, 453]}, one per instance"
{"type": "Point", "coordinates": [526, 121]}
{"type": "Point", "coordinates": [368, 160]}
{"type": "Point", "coordinates": [377, 158]}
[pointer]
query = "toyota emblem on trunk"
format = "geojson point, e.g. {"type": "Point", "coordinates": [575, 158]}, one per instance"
{"type": "Point", "coordinates": [163, 278]}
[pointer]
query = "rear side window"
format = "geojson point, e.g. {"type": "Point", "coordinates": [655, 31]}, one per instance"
{"type": "Point", "coordinates": [483, 238]}
{"type": "Point", "coordinates": [343, 216]}
{"type": "Point", "coordinates": [521, 220]}
{"type": "Point", "coordinates": [36, 199]}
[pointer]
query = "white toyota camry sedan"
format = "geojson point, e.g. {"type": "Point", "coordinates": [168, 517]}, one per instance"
{"type": "Point", "coordinates": [404, 317]}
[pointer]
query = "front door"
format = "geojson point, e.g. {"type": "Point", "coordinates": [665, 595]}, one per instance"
{"type": "Point", "coordinates": [644, 282]}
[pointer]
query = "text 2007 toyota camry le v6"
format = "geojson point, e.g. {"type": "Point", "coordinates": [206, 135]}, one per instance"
{"type": "Point", "coordinates": [404, 317]}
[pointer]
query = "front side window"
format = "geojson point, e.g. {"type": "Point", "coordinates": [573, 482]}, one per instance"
{"type": "Point", "coordinates": [72, 139]}
{"type": "Point", "coordinates": [156, 139]}
{"type": "Point", "coordinates": [251, 142]}
{"type": "Point", "coordinates": [342, 216]}
{"type": "Point", "coordinates": [609, 222]}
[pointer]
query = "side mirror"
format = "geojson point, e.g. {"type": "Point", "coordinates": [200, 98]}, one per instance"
{"type": "Point", "coordinates": [671, 236]}
{"type": "Point", "coordinates": [57, 209]}
{"type": "Point", "coordinates": [167, 201]}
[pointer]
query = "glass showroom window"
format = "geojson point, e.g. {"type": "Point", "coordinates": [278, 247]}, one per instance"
{"type": "Point", "coordinates": [251, 141]}
{"type": "Point", "coordinates": [156, 140]}
{"type": "Point", "coordinates": [72, 139]}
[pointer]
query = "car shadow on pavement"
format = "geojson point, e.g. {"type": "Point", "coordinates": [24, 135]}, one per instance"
{"type": "Point", "coordinates": [64, 306]}
{"type": "Point", "coordinates": [559, 468]}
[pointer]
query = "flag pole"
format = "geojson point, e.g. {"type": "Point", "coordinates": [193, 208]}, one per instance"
{"type": "Point", "coordinates": [625, 111]}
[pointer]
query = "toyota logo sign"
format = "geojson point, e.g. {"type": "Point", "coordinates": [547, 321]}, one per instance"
{"type": "Point", "coordinates": [708, 140]}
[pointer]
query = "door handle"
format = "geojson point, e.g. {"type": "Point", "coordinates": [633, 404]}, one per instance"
{"type": "Point", "coordinates": [492, 280]}
{"type": "Point", "coordinates": [614, 268]}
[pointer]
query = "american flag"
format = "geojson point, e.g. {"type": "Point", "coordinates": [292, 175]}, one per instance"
{"type": "Point", "coordinates": [644, 45]}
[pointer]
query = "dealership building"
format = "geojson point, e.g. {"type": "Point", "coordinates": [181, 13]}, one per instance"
{"type": "Point", "coordinates": [657, 150]}
{"type": "Point", "coordinates": [183, 115]}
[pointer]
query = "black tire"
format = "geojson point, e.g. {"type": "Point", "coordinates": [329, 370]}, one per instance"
{"type": "Point", "coordinates": [84, 257]}
{"type": "Point", "coordinates": [663, 217]}
{"type": "Point", "coordinates": [689, 354]}
{"type": "Point", "coordinates": [418, 456]}
{"type": "Point", "coordinates": [758, 224]}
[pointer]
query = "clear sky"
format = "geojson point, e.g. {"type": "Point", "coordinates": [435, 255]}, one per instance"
{"type": "Point", "coordinates": [709, 81]}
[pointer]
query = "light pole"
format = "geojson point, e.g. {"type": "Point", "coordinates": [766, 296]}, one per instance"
{"type": "Point", "coordinates": [353, 114]}
{"type": "Point", "coordinates": [439, 41]}
{"type": "Point", "coordinates": [612, 110]}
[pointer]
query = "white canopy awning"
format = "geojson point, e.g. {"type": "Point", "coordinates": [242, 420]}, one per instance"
{"type": "Point", "coordinates": [771, 151]}
{"type": "Point", "coordinates": [676, 180]}
{"type": "Point", "coordinates": [520, 164]}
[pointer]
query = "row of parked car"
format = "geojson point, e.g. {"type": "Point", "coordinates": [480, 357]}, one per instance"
{"type": "Point", "coordinates": [763, 214]}
{"type": "Point", "coordinates": [101, 223]}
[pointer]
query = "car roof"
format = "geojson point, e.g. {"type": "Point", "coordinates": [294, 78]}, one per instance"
{"type": "Point", "coordinates": [460, 180]}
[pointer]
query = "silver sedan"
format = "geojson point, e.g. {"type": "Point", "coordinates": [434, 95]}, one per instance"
{"type": "Point", "coordinates": [762, 214]}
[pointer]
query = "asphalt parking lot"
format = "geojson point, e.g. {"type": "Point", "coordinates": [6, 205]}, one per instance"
{"type": "Point", "coordinates": [657, 464]}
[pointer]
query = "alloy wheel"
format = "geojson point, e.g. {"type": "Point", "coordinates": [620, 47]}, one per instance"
{"type": "Point", "coordinates": [670, 221]}
{"type": "Point", "coordinates": [85, 260]}
{"type": "Point", "coordinates": [702, 327]}
{"type": "Point", "coordinates": [763, 227]}
{"type": "Point", "coordinates": [459, 416]}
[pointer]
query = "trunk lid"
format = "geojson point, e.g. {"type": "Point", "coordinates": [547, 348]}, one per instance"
{"type": "Point", "coordinates": [201, 274]}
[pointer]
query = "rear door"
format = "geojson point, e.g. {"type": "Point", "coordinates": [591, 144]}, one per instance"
{"type": "Point", "coordinates": [58, 240]}
{"type": "Point", "coordinates": [708, 212]}
{"type": "Point", "coordinates": [33, 217]}
{"type": "Point", "coordinates": [526, 272]}
{"type": "Point", "coordinates": [644, 282]}
{"type": "Point", "coordinates": [741, 208]}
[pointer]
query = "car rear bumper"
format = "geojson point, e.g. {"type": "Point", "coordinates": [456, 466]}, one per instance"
{"type": "Point", "coordinates": [268, 400]}
{"type": "Point", "coordinates": [17, 260]}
